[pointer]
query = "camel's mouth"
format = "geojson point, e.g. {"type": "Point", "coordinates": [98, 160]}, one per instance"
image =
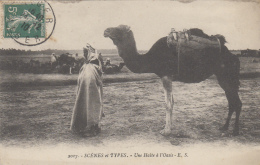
{"type": "Point", "coordinates": [107, 34]}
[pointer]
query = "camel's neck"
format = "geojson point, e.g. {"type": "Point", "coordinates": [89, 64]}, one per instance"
{"type": "Point", "coordinates": [127, 49]}
{"type": "Point", "coordinates": [133, 60]}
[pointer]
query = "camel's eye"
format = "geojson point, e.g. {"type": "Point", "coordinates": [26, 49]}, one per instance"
{"type": "Point", "coordinates": [119, 35]}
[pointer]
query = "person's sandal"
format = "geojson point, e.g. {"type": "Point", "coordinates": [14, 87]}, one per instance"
{"type": "Point", "coordinates": [93, 131]}
{"type": "Point", "coordinates": [97, 128]}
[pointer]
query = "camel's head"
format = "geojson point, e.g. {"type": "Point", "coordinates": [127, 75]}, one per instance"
{"type": "Point", "coordinates": [118, 34]}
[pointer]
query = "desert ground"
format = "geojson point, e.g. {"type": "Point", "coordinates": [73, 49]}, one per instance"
{"type": "Point", "coordinates": [36, 112]}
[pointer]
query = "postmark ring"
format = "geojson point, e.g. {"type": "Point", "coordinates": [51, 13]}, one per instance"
{"type": "Point", "coordinates": [29, 24]}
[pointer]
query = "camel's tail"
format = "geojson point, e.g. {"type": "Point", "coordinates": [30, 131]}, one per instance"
{"type": "Point", "coordinates": [221, 38]}
{"type": "Point", "coordinates": [236, 66]}
{"type": "Point", "coordinates": [232, 69]}
{"type": "Point", "coordinates": [231, 61]}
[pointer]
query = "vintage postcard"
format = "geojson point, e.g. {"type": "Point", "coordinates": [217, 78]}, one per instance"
{"type": "Point", "coordinates": [130, 82]}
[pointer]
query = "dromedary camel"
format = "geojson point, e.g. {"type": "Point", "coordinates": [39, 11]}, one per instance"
{"type": "Point", "coordinates": [163, 61]}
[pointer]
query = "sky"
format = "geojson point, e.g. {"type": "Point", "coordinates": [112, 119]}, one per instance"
{"type": "Point", "coordinates": [84, 22]}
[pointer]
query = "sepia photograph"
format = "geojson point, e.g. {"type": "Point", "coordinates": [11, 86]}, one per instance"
{"type": "Point", "coordinates": [130, 82]}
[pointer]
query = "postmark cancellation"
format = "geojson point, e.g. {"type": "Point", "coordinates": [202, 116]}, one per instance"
{"type": "Point", "coordinates": [28, 23]}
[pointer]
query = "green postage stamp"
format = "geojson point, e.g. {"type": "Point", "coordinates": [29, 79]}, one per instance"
{"type": "Point", "coordinates": [24, 20]}
{"type": "Point", "coordinates": [28, 23]}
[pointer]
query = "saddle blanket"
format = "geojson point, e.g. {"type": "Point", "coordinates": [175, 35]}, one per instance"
{"type": "Point", "coordinates": [194, 51]}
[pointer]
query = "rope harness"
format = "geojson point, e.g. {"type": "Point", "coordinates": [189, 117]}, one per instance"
{"type": "Point", "coordinates": [196, 44]}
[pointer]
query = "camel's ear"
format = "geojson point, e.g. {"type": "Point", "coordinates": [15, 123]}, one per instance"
{"type": "Point", "coordinates": [125, 27]}
{"type": "Point", "coordinates": [128, 28]}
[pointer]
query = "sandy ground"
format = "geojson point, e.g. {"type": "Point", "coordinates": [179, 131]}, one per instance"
{"type": "Point", "coordinates": [36, 120]}
{"type": "Point", "coordinates": [36, 112]}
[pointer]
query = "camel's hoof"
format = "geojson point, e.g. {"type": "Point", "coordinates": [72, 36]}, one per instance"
{"type": "Point", "coordinates": [165, 132]}
{"type": "Point", "coordinates": [235, 133]}
{"type": "Point", "coordinates": [224, 128]}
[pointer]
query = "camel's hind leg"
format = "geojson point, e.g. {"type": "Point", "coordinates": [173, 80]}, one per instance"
{"type": "Point", "coordinates": [167, 85]}
{"type": "Point", "coordinates": [235, 105]}
{"type": "Point", "coordinates": [228, 78]}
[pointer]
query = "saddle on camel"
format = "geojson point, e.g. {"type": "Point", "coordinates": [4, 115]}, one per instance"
{"type": "Point", "coordinates": [192, 47]}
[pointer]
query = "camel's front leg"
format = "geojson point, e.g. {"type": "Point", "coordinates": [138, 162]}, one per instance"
{"type": "Point", "coordinates": [167, 85]}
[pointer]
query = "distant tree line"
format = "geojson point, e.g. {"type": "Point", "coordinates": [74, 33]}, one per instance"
{"type": "Point", "coordinates": [14, 52]}
{"type": "Point", "coordinates": [50, 51]}
{"type": "Point", "coordinates": [250, 53]}
{"type": "Point", "coordinates": [11, 51]}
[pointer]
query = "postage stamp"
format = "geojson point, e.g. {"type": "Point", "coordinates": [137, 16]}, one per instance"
{"type": "Point", "coordinates": [28, 23]}
{"type": "Point", "coordinates": [24, 20]}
